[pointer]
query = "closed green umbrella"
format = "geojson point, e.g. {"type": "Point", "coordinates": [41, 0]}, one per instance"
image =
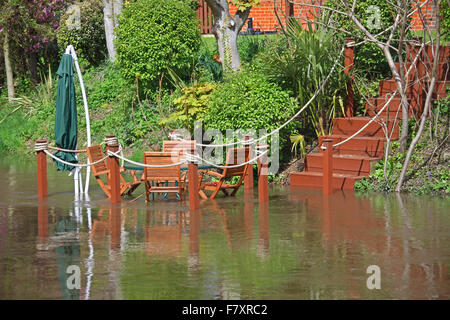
{"type": "Point", "coordinates": [66, 114]}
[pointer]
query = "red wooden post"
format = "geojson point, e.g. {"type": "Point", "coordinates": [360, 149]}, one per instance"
{"type": "Point", "coordinates": [114, 170]}
{"type": "Point", "coordinates": [248, 179]}
{"type": "Point", "coordinates": [348, 65]}
{"type": "Point", "coordinates": [41, 170]}
{"type": "Point", "coordinates": [115, 226]}
{"type": "Point", "coordinates": [327, 183]}
{"type": "Point", "coordinates": [42, 225]}
{"type": "Point", "coordinates": [42, 219]}
{"type": "Point", "coordinates": [194, 202]}
{"type": "Point", "coordinates": [263, 181]}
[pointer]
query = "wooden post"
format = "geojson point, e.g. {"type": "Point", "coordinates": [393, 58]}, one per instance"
{"type": "Point", "coordinates": [108, 137]}
{"type": "Point", "coordinates": [263, 181]}
{"type": "Point", "coordinates": [348, 65]}
{"type": "Point", "coordinates": [115, 226]}
{"type": "Point", "coordinates": [114, 170]}
{"type": "Point", "coordinates": [248, 180]}
{"type": "Point", "coordinates": [194, 202]}
{"type": "Point", "coordinates": [327, 183]}
{"type": "Point", "coordinates": [41, 171]}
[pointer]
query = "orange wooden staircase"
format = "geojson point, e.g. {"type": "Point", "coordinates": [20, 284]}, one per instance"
{"type": "Point", "coordinates": [356, 158]}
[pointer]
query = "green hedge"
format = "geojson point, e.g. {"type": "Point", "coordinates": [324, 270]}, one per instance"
{"type": "Point", "coordinates": [248, 100]}
{"type": "Point", "coordinates": [154, 35]}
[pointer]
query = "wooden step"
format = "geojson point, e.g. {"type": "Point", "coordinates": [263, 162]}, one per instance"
{"type": "Point", "coordinates": [406, 66]}
{"type": "Point", "coordinates": [360, 146]}
{"type": "Point", "coordinates": [314, 180]}
{"type": "Point", "coordinates": [389, 87]}
{"type": "Point", "coordinates": [348, 126]}
{"type": "Point", "coordinates": [343, 164]}
{"type": "Point", "coordinates": [374, 105]}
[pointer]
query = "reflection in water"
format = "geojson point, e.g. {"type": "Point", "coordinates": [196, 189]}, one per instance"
{"type": "Point", "coordinates": [263, 243]}
{"type": "Point", "coordinates": [301, 245]}
{"type": "Point", "coordinates": [194, 241]}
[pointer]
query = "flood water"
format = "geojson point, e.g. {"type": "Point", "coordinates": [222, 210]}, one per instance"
{"type": "Point", "coordinates": [301, 246]}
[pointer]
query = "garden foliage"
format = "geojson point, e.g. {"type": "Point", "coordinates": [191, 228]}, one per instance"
{"type": "Point", "coordinates": [154, 35]}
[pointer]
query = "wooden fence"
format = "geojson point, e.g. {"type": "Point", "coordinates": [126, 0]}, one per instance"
{"type": "Point", "coordinates": [205, 16]}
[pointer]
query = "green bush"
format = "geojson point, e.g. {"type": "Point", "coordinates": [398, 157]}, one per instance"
{"type": "Point", "coordinates": [154, 35]}
{"type": "Point", "coordinates": [191, 105]}
{"type": "Point", "coordinates": [248, 100]}
{"type": "Point", "coordinates": [89, 40]}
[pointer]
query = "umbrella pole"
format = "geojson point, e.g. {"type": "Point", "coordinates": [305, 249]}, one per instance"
{"type": "Point", "coordinates": [70, 50]}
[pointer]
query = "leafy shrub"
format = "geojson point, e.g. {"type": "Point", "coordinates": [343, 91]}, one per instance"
{"type": "Point", "coordinates": [250, 46]}
{"type": "Point", "coordinates": [156, 34]}
{"type": "Point", "coordinates": [191, 105]}
{"type": "Point", "coordinates": [89, 40]}
{"type": "Point", "coordinates": [248, 100]}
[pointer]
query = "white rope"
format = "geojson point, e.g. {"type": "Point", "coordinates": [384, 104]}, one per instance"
{"type": "Point", "coordinates": [232, 166]}
{"type": "Point", "coordinates": [116, 154]}
{"type": "Point", "coordinates": [191, 158]}
{"type": "Point", "coordinates": [366, 125]}
{"type": "Point", "coordinates": [40, 146]}
{"type": "Point", "coordinates": [73, 164]}
{"type": "Point", "coordinates": [253, 141]}
{"type": "Point", "coordinates": [112, 141]}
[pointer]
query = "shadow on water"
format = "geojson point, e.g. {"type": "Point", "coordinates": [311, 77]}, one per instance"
{"type": "Point", "coordinates": [301, 245]}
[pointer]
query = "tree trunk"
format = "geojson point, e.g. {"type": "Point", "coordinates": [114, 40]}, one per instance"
{"type": "Point", "coordinates": [428, 99]}
{"type": "Point", "coordinates": [32, 68]}
{"type": "Point", "coordinates": [8, 68]}
{"type": "Point", "coordinates": [226, 38]}
{"type": "Point", "coordinates": [111, 10]}
{"type": "Point", "coordinates": [226, 30]}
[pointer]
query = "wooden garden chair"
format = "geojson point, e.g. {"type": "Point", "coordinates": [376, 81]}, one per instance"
{"type": "Point", "coordinates": [167, 174]}
{"type": "Point", "coordinates": [99, 170]}
{"type": "Point", "coordinates": [235, 157]}
{"type": "Point", "coordinates": [180, 148]}
{"type": "Point", "coordinates": [176, 146]}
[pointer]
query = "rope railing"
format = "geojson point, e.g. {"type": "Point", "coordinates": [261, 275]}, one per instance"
{"type": "Point", "coordinates": [78, 165]}
{"type": "Point", "coordinates": [235, 165]}
{"type": "Point", "coordinates": [116, 154]}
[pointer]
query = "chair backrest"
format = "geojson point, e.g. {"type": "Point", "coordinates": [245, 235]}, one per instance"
{"type": "Point", "coordinates": [162, 173]}
{"type": "Point", "coordinates": [177, 146]}
{"type": "Point", "coordinates": [236, 156]}
{"type": "Point", "coordinates": [95, 153]}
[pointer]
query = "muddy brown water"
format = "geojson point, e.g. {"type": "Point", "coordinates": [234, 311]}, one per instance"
{"type": "Point", "coordinates": [301, 246]}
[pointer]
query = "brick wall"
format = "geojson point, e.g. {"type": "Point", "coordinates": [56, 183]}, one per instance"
{"type": "Point", "coordinates": [264, 17]}
{"type": "Point", "coordinates": [427, 11]}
